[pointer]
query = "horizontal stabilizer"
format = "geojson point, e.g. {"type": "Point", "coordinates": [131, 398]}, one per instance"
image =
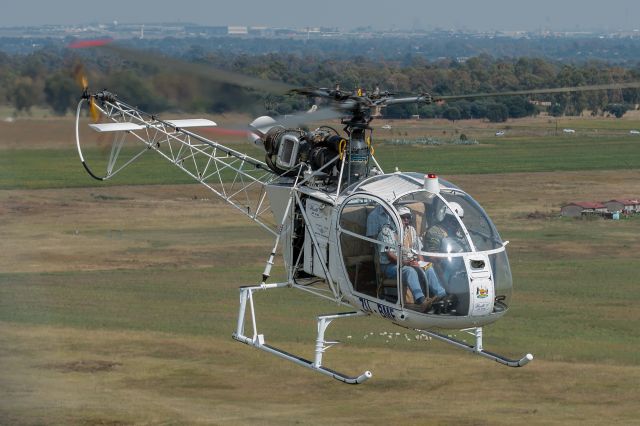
{"type": "Point", "coordinates": [192, 122]}
{"type": "Point", "coordinates": [115, 127]}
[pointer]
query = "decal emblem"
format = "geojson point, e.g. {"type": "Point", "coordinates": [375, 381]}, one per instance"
{"type": "Point", "coordinates": [482, 293]}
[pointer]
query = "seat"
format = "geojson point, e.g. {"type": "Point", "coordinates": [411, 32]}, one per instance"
{"type": "Point", "coordinates": [388, 287]}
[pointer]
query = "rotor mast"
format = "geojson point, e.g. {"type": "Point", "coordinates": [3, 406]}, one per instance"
{"type": "Point", "coordinates": [357, 152]}
{"type": "Point", "coordinates": [359, 109]}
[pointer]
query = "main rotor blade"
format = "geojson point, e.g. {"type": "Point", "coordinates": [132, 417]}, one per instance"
{"type": "Point", "coordinates": [302, 118]}
{"type": "Point", "coordinates": [288, 121]}
{"type": "Point", "coordinates": [210, 73]}
{"type": "Point", "coordinates": [591, 88]}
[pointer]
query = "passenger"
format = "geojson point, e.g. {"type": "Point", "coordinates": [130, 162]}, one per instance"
{"type": "Point", "coordinates": [411, 267]}
{"type": "Point", "coordinates": [376, 220]}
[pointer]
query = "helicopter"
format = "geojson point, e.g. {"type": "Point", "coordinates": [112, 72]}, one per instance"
{"type": "Point", "coordinates": [406, 247]}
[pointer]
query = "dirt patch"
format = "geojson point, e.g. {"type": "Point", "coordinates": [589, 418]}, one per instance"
{"type": "Point", "coordinates": [169, 225]}
{"type": "Point", "coordinates": [122, 227]}
{"type": "Point", "coordinates": [538, 215]}
{"type": "Point", "coordinates": [102, 422]}
{"type": "Point", "coordinates": [515, 193]}
{"type": "Point", "coordinates": [102, 197]}
{"type": "Point", "coordinates": [85, 366]}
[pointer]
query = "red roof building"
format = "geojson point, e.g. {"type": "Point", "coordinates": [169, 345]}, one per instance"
{"type": "Point", "coordinates": [624, 206]}
{"type": "Point", "coordinates": [583, 208]}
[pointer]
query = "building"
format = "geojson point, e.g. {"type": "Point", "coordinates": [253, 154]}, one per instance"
{"type": "Point", "coordinates": [237, 30]}
{"type": "Point", "coordinates": [540, 103]}
{"type": "Point", "coordinates": [583, 209]}
{"type": "Point", "coordinates": [623, 206]}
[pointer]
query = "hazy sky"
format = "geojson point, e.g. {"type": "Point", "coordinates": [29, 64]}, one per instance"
{"type": "Point", "coordinates": [380, 14]}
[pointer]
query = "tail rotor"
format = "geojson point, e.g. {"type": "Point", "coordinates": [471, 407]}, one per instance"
{"type": "Point", "coordinates": [83, 82]}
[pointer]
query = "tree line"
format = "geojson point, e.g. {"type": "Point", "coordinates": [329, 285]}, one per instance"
{"type": "Point", "coordinates": [48, 78]}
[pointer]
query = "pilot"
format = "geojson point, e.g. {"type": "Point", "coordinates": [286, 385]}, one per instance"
{"type": "Point", "coordinates": [446, 235]}
{"type": "Point", "coordinates": [412, 265]}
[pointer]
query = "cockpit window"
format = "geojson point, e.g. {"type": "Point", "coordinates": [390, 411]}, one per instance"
{"type": "Point", "coordinates": [481, 230]}
{"type": "Point", "coordinates": [436, 224]}
{"type": "Point", "coordinates": [378, 254]}
{"type": "Point", "coordinates": [451, 222]}
{"type": "Point", "coordinates": [445, 233]}
{"type": "Point", "coordinates": [451, 254]}
{"type": "Point", "coordinates": [361, 223]}
{"type": "Point", "coordinates": [440, 223]}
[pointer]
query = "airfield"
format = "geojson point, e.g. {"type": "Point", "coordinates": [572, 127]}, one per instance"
{"type": "Point", "coordinates": [118, 300]}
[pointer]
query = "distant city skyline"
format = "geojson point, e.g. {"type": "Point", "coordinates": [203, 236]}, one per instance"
{"type": "Point", "coordinates": [485, 15]}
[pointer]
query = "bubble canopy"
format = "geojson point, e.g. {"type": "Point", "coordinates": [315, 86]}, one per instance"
{"type": "Point", "coordinates": [447, 234]}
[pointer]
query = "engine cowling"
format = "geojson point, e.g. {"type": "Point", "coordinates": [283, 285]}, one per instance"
{"type": "Point", "coordinates": [287, 148]}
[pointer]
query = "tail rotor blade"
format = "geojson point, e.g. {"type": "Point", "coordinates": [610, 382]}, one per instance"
{"type": "Point", "coordinates": [93, 110]}
{"type": "Point", "coordinates": [80, 76]}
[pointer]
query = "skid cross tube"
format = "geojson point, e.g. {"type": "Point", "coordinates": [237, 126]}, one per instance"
{"type": "Point", "coordinates": [257, 340]}
{"type": "Point", "coordinates": [477, 347]}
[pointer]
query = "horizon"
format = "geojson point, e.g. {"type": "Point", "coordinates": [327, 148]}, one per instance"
{"type": "Point", "coordinates": [116, 23]}
{"type": "Point", "coordinates": [402, 15]}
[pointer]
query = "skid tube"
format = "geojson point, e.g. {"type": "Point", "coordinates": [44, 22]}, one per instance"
{"type": "Point", "coordinates": [257, 340]}
{"type": "Point", "coordinates": [477, 348]}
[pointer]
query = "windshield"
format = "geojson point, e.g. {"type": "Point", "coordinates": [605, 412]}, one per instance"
{"type": "Point", "coordinates": [436, 254]}
{"type": "Point", "coordinates": [482, 232]}
{"type": "Point", "coordinates": [451, 222]}
{"type": "Point", "coordinates": [455, 234]}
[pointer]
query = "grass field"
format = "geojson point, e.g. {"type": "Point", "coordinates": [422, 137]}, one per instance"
{"type": "Point", "coordinates": [117, 301]}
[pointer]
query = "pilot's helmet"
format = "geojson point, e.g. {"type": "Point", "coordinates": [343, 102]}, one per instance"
{"type": "Point", "coordinates": [444, 212]}
{"type": "Point", "coordinates": [404, 211]}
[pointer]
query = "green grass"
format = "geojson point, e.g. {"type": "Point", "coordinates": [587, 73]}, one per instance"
{"type": "Point", "coordinates": [576, 310]}
{"type": "Point", "coordinates": [172, 301]}
{"type": "Point", "coordinates": [509, 155]}
{"type": "Point", "coordinates": [588, 126]}
{"type": "Point", "coordinates": [59, 168]}
{"type": "Point", "coordinates": [567, 310]}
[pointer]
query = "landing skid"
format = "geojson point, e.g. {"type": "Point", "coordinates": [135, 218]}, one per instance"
{"type": "Point", "coordinates": [257, 340]}
{"type": "Point", "coordinates": [477, 348]}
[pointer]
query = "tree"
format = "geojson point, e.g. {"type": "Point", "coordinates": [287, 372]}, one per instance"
{"type": "Point", "coordinates": [399, 111]}
{"type": "Point", "coordinates": [61, 93]}
{"type": "Point", "coordinates": [427, 111]}
{"type": "Point", "coordinates": [465, 109]}
{"type": "Point", "coordinates": [556, 110]}
{"type": "Point", "coordinates": [618, 110]}
{"type": "Point", "coordinates": [135, 90]}
{"type": "Point", "coordinates": [452, 114]}
{"type": "Point", "coordinates": [573, 103]}
{"type": "Point", "coordinates": [519, 107]}
{"type": "Point", "coordinates": [497, 113]}
{"type": "Point", "coordinates": [478, 109]}
{"type": "Point", "coordinates": [24, 94]}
